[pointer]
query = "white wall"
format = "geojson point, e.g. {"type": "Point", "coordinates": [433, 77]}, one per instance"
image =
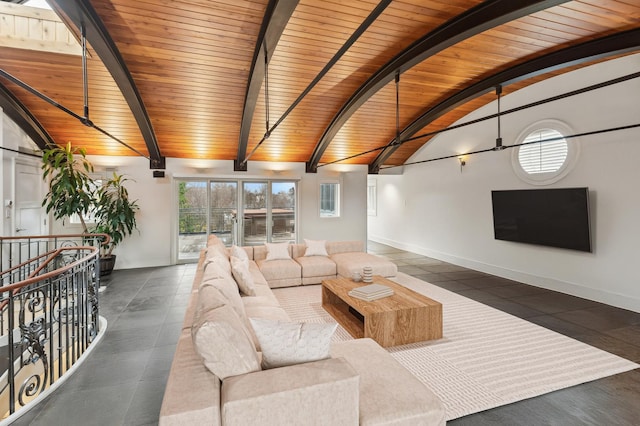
{"type": "Point", "coordinates": [440, 211]}
{"type": "Point", "coordinates": [155, 244]}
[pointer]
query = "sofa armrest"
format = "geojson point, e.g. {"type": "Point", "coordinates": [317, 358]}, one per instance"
{"type": "Point", "coordinates": [181, 405]}
{"type": "Point", "coordinates": [326, 391]}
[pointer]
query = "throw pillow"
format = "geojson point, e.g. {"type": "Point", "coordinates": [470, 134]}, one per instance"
{"type": "Point", "coordinates": [284, 343]}
{"type": "Point", "coordinates": [277, 251]}
{"type": "Point", "coordinates": [239, 252]}
{"type": "Point", "coordinates": [224, 343]}
{"type": "Point", "coordinates": [316, 248]}
{"type": "Point", "coordinates": [244, 279]}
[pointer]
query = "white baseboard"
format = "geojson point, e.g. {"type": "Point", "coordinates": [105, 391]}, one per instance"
{"type": "Point", "coordinates": [614, 299]}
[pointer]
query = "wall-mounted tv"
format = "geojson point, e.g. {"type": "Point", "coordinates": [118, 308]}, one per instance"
{"type": "Point", "coordinates": [556, 217]}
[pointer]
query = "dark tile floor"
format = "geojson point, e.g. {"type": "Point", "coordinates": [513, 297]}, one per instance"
{"type": "Point", "coordinates": [122, 383]}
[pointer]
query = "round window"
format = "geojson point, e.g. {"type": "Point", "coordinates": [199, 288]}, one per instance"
{"type": "Point", "coordinates": [544, 155]}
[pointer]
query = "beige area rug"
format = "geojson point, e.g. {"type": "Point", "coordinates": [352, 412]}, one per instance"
{"type": "Point", "coordinates": [487, 358]}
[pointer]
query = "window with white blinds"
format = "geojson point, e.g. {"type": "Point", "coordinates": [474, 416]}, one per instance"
{"type": "Point", "coordinates": [547, 156]}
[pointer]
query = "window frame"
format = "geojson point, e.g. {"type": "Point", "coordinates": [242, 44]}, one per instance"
{"type": "Point", "coordinates": [337, 199]}
{"type": "Point", "coordinates": [573, 150]}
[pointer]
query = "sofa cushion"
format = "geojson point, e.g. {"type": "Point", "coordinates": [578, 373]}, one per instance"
{"type": "Point", "coordinates": [258, 278]}
{"type": "Point", "coordinates": [279, 269]}
{"type": "Point", "coordinates": [316, 247]}
{"type": "Point", "coordinates": [389, 393]}
{"type": "Point", "coordinates": [263, 289]}
{"type": "Point", "coordinates": [287, 343]}
{"type": "Point", "coordinates": [348, 263]}
{"type": "Point", "coordinates": [224, 343]}
{"type": "Point", "coordinates": [264, 297]}
{"type": "Point", "coordinates": [275, 313]}
{"type": "Point", "coordinates": [278, 251]}
{"type": "Point", "coordinates": [317, 393]}
{"type": "Point", "coordinates": [229, 289]}
{"type": "Point", "coordinates": [215, 245]}
{"type": "Point", "coordinates": [317, 266]}
{"type": "Point", "coordinates": [242, 276]}
{"type": "Point", "coordinates": [218, 259]}
{"type": "Point", "coordinates": [209, 298]}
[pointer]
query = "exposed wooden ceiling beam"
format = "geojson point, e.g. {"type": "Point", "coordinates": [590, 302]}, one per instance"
{"type": "Point", "coordinates": [486, 15]}
{"type": "Point", "coordinates": [19, 113]}
{"type": "Point", "coordinates": [275, 20]}
{"type": "Point", "coordinates": [588, 51]}
{"type": "Point", "coordinates": [81, 11]}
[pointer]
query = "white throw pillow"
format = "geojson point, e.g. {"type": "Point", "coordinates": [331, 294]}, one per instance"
{"type": "Point", "coordinates": [277, 251]}
{"type": "Point", "coordinates": [285, 343]}
{"type": "Point", "coordinates": [224, 343]}
{"type": "Point", "coordinates": [239, 252]}
{"type": "Point", "coordinates": [316, 248]}
{"type": "Point", "coordinates": [240, 270]}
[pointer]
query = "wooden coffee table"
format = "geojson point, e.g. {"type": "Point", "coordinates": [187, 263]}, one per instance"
{"type": "Point", "coordinates": [405, 317]}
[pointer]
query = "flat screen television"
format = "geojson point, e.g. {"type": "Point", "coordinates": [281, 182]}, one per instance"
{"type": "Point", "coordinates": [556, 217]}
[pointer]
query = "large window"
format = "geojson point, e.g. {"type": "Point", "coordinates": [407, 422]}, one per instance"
{"type": "Point", "coordinates": [330, 199]}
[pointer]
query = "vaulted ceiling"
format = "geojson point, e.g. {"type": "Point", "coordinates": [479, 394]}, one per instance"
{"type": "Point", "coordinates": [314, 81]}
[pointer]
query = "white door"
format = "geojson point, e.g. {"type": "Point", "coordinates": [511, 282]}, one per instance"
{"type": "Point", "coordinates": [29, 213]}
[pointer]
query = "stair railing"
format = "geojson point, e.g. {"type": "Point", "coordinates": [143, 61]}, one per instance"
{"type": "Point", "coordinates": [49, 312]}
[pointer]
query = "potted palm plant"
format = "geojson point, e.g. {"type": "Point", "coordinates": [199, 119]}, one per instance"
{"type": "Point", "coordinates": [115, 216]}
{"type": "Point", "coordinates": [72, 191]}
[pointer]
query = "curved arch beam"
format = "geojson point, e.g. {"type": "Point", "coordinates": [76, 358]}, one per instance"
{"type": "Point", "coordinates": [486, 15]}
{"type": "Point", "coordinates": [591, 50]}
{"type": "Point", "coordinates": [275, 20]}
{"type": "Point", "coordinates": [21, 115]}
{"type": "Point", "coordinates": [81, 11]}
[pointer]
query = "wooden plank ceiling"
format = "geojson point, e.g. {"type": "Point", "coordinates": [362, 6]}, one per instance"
{"type": "Point", "coordinates": [191, 62]}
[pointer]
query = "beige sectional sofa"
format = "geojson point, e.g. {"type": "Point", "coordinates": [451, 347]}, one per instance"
{"type": "Point", "coordinates": [354, 382]}
{"type": "Point", "coordinates": [343, 258]}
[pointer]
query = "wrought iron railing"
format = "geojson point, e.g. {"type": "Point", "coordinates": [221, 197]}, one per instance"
{"type": "Point", "coordinates": [49, 312]}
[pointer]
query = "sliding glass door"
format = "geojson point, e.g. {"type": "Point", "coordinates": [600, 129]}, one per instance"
{"type": "Point", "coordinates": [269, 212]}
{"type": "Point", "coordinates": [238, 212]}
{"type": "Point", "coordinates": [224, 210]}
{"type": "Point", "coordinates": [254, 208]}
{"type": "Point", "coordinates": [192, 219]}
{"type": "Point", "coordinates": [283, 212]}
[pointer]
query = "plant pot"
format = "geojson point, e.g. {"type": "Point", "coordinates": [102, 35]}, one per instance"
{"type": "Point", "coordinates": [106, 264]}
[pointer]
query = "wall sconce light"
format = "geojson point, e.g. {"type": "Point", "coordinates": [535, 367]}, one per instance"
{"type": "Point", "coordinates": [463, 162]}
